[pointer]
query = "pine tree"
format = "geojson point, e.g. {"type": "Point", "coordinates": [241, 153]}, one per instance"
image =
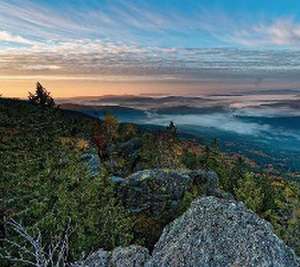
{"type": "Point", "coordinates": [41, 97]}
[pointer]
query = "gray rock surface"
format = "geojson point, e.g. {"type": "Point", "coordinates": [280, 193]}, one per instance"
{"type": "Point", "coordinates": [212, 233]}
{"type": "Point", "coordinates": [93, 162]}
{"type": "Point", "coordinates": [159, 192]}
{"type": "Point", "coordinates": [117, 180]}
{"type": "Point", "coordinates": [219, 232]}
{"type": "Point", "coordinates": [132, 256]}
{"type": "Point", "coordinates": [155, 192]}
{"type": "Point", "coordinates": [99, 258]}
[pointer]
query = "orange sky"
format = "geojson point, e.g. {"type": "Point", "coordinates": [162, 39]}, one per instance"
{"type": "Point", "coordinates": [71, 88]}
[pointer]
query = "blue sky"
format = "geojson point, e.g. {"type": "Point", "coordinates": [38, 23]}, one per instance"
{"type": "Point", "coordinates": [157, 23]}
{"type": "Point", "coordinates": [237, 41]}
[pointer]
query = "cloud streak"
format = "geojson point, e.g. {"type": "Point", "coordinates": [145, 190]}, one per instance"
{"type": "Point", "coordinates": [282, 32]}
{"type": "Point", "coordinates": [8, 37]}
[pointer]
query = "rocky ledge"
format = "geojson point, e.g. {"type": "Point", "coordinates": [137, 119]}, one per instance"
{"type": "Point", "coordinates": [213, 232]}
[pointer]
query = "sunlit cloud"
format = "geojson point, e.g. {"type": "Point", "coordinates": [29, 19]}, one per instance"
{"type": "Point", "coordinates": [8, 37]}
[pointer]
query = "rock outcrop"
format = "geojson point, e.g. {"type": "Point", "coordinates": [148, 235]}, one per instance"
{"type": "Point", "coordinates": [159, 192]}
{"type": "Point", "coordinates": [214, 233]}
{"type": "Point", "coordinates": [132, 256]}
{"type": "Point", "coordinates": [154, 192]}
{"type": "Point", "coordinates": [100, 258]}
{"type": "Point", "coordinates": [156, 197]}
{"type": "Point", "coordinates": [218, 232]}
{"type": "Point", "coordinates": [92, 161]}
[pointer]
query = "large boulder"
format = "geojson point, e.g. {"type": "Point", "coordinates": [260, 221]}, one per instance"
{"type": "Point", "coordinates": [212, 233]}
{"type": "Point", "coordinates": [158, 196]}
{"type": "Point", "coordinates": [218, 232]}
{"type": "Point", "coordinates": [154, 192]}
{"type": "Point", "coordinates": [159, 192]}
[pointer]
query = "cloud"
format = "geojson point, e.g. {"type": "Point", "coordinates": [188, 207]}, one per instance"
{"type": "Point", "coordinates": [144, 41]}
{"type": "Point", "coordinates": [8, 37]}
{"type": "Point", "coordinates": [144, 23]}
{"type": "Point", "coordinates": [281, 32]}
{"type": "Point", "coordinates": [41, 67]}
{"type": "Point", "coordinates": [221, 121]}
{"type": "Point", "coordinates": [97, 58]}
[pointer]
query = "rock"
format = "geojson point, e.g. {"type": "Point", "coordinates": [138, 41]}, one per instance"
{"type": "Point", "coordinates": [118, 180]}
{"type": "Point", "coordinates": [218, 232]}
{"type": "Point", "coordinates": [155, 192]}
{"type": "Point", "coordinates": [133, 256]}
{"type": "Point", "coordinates": [156, 197]}
{"type": "Point", "coordinates": [159, 192]}
{"type": "Point", "coordinates": [212, 233]}
{"type": "Point", "coordinates": [93, 162]}
{"type": "Point", "coordinates": [99, 258]}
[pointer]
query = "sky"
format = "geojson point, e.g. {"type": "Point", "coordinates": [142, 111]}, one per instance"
{"type": "Point", "coordinates": [191, 47]}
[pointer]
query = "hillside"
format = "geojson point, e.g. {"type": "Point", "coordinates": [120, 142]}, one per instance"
{"type": "Point", "coordinates": [116, 185]}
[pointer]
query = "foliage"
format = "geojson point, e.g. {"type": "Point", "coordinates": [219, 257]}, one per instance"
{"type": "Point", "coordinates": [110, 127]}
{"type": "Point", "coordinates": [160, 151]}
{"type": "Point", "coordinates": [127, 131]}
{"type": "Point", "coordinates": [273, 198]}
{"type": "Point", "coordinates": [249, 191]}
{"type": "Point", "coordinates": [44, 180]}
{"type": "Point", "coordinates": [41, 97]}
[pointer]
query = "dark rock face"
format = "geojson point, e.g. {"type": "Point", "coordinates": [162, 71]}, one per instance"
{"type": "Point", "coordinates": [154, 192]}
{"type": "Point", "coordinates": [156, 196]}
{"type": "Point", "coordinates": [159, 192]}
{"type": "Point", "coordinates": [218, 232]}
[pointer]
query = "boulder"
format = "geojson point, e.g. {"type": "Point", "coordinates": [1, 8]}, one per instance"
{"type": "Point", "coordinates": [132, 256]}
{"type": "Point", "coordinates": [219, 232]}
{"type": "Point", "coordinates": [92, 161]}
{"type": "Point", "coordinates": [159, 192]}
{"type": "Point", "coordinates": [99, 258]}
{"type": "Point", "coordinates": [212, 233]}
{"type": "Point", "coordinates": [117, 180]}
{"type": "Point", "coordinates": [156, 197]}
{"type": "Point", "coordinates": [156, 193]}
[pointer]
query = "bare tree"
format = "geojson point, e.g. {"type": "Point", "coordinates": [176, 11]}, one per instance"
{"type": "Point", "coordinates": [35, 253]}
